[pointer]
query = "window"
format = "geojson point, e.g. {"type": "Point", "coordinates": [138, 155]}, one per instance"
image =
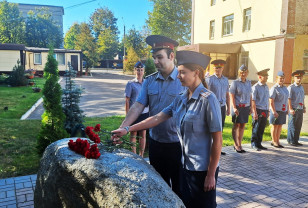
{"type": "Point", "coordinates": [213, 2]}
{"type": "Point", "coordinates": [227, 25]}
{"type": "Point", "coordinates": [305, 60]}
{"type": "Point", "coordinates": [61, 58]}
{"type": "Point", "coordinates": [244, 58]}
{"type": "Point", "coordinates": [37, 58]}
{"type": "Point", "coordinates": [212, 29]}
{"type": "Point", "coordinates": [247, 19]}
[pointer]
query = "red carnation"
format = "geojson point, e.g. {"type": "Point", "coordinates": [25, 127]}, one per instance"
{"type": "Point", "coordinates": [301, 104]}
{"type": "Point", "coordinates": [283, 109]}
{"type": "Point", "coordinates": [243, 105]}
{"type": "Point", "coordinates": [263, 114]}
{"type": "Point", "coordinates": [283, 105]}
{"type": "Point", "coordinates": [97, 128]}
{"type": "Point", "coordinates": [88, 130]}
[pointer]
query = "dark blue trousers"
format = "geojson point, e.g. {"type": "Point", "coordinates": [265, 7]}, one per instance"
{"type": "Point", "coordinates": [258, 127]}
{"type": "Point", "coordinates": [295, 126]}
{"type": "Point", "coordinates": [166, 159]}
{"type": "Point", "coordinates": [223, 115]}
{"type": "Point", "coordinates": [193, 194]}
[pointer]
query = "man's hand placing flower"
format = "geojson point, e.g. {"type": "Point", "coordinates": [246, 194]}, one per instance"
{"type": "Point", "coordinates": [116, 134]}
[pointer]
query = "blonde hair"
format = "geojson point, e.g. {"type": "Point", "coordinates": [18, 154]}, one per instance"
{"type": "Point", "coordinates": [194, 67]}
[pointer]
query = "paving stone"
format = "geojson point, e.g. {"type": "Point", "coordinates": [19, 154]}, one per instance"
{"type": "Point", "coordinates": [10, 193]}
{"type": "Point", "coordinates": [12, 206]}
{"type": "Point", "coordinates": [9, 181]}
{"type": "Point", "coordinates": [21, 198]}
{"type": "Point", "coordinates": [19, 185]}
{"type": "Point", "coordinates": [26, 204]}
{"type": "Point", "coordinates": [2, 194]}
{"type": "Point", "coordinates": [24, 191]}
{"type": "Point", "coordinates": [7, 201]}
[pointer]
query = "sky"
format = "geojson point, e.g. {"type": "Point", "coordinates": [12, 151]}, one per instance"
{"type": "Point", "coordinates": [128, 12]}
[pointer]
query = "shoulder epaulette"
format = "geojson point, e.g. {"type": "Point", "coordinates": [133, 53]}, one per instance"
{"type": "Point", "coordinates": [151, 74]}
{"type": "Point", "coordinates": [205, 94]}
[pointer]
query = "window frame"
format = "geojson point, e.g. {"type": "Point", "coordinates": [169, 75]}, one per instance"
{"type": "Point", "coordinates": [57, 58]}
{"type": "Point", "coordinates": [246, 20]}
{"type": "Point", "coordinates": [228, 23]}
{"type": "Point", "coordinates": [212, 30]}
{"type": "Point", "coordinates": [34, 59]}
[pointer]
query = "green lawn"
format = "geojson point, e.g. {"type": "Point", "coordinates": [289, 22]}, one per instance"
{"type": "Point", "coordinates": [18, 138]}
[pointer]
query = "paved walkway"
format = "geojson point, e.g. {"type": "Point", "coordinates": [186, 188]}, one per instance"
{"type": "Point", "coordinates": [271, 178]}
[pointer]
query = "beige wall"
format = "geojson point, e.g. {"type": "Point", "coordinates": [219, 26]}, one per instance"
{"type": "Point", "coordinates": [265, 20]}
{"type": "Point", "coordinates": [40, 67]}
{"type": "Point", "coordinates": [8, 59]}
{"type": "Point", "coordinates": [261, 56]}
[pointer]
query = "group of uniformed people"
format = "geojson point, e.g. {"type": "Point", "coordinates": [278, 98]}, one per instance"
{"type": "Point", "coordinates": [187, 113]}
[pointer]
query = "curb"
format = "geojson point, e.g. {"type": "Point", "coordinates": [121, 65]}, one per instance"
{"type": "Point", "coordinates": [27, 114]}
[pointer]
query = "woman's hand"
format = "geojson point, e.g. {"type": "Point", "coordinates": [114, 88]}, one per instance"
{"type": "Point", "coordinates": [209, 183]}
{"type": "Point", "coordinates": [276, 114]}
{"type": "Point", "coordinates": [236, 111]}
{"type": "Point", "coordinates": [292, 112]}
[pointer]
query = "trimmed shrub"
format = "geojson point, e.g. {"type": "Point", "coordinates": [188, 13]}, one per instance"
{"type": "Point", "coordinates": [17, 76]}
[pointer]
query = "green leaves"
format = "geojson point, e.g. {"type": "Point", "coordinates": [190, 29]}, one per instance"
{"type": "Point", "coordinates": [171, 18]}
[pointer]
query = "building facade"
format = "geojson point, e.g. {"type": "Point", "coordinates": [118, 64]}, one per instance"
{"type": "Point", "coordinates": [260, 34]}
{"type": "Point", "coordinates": [57, 12]}
{"type": "Point", "coordinates": [36, 58]}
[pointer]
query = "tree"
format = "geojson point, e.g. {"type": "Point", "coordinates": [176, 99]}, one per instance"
{"type": "Point", "coordinates": [171, 18]}
{"type": "Point", "coordinates": [131, 60]}
{"type": "Point", "coordinates": [17, 76]}
{"type": "Point", "coordinates": [41, 30]}
{"type": "Point", "coordinates": [52, 128]}
{"type": "Point", "coordinates": [107, 44]}
{"type": "Point", "coordinates": [101, 19]}
{"type": "Point", "coordinates": [70, 100]}
{"type": "Point", "coordinates": [135, 40]}
{"type": "Point", "coordinates": [149, 67]}
{"type": "Point", "coordinates": [12, 25]}
{"type": "Point", "coordinates": [71, 36]}
{"type": "Point", "coordinates": [86, 42]}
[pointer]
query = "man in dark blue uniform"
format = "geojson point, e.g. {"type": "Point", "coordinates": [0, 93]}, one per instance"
{"type": "Point", "coordinates": [219, 85]}
{"type": "Point", "coordinates": [158, 91]}
{"type": "Point", "coordinates": [296, 108]}
{"type": "Point", "coordinates": [260, 109]}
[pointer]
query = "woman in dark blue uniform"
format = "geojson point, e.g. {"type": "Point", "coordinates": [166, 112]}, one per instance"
{"type": "Point", "coordinates": [279, 107]}
{"type": "Point", "coordinates": [240, 98]}
{"type": "Point", "coordinates": [197, 115]}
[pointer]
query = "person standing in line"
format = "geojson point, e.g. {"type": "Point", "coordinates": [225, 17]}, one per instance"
{"type": "Point", "coordinates": [240, 98]}
{"type": "Point", "coordinates": [132, 90]}
{"type": "Point", "coordinates": [260, 109]}
{"type": "Point", "coordinates": [296, 108]}
{"type": "Point", "coordinates": [158, 91]}
{"type": "Point", "coordinates": [279, 107]}
{"type": "Point", "coordinates": [198, 121]}
{"type": "Point", "coordinates": [219, 85]}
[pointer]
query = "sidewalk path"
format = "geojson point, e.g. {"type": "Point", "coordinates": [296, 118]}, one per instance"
{"type": "Point", "coordinates": [270, 178]}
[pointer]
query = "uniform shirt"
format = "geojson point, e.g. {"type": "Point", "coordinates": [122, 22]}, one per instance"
{"type": "Point", "coordinates": [242, 91]}
{"type": "Point", "coordinates": [280, 95]}
{"type": "Point", "coordinates": [219, 86]}
{"type": "Point", "coordinates": [132, 90]}
{"type": "Point", "coordinates": [260, 94]}
{"type": "Point", "coordinates": [195, 120]}
{"type": "Point", "coordinates": [297, 95]}
{"type": "Point", "coordinates": [158, 93]}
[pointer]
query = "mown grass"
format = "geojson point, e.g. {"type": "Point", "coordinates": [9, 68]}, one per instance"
{"type": "Point", "coordinates": [18, 138]}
